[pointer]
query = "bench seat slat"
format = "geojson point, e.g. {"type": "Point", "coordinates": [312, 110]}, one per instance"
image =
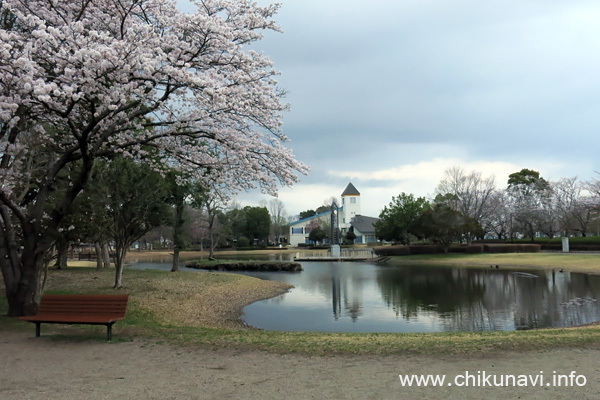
{"type": "Point", "coordinates": [74, 319]}
{"type": "Point", "coordinates": [83, 310]}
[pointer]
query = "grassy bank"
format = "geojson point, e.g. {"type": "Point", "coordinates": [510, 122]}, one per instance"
{"type": "Point", "coordinates": [576, 262]}
{"type": "Point", "coordinates": [203, 309]}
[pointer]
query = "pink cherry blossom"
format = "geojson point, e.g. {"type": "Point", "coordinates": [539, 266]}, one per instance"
{"type": "Point", "coordinates": [80, 80]}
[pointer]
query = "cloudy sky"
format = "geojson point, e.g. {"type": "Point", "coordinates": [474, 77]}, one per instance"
{"type": "Point", "coordinates": [389, 93]}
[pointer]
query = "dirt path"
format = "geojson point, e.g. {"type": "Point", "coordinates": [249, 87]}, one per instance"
{"type": "Point", "coordinates": [50, 369]}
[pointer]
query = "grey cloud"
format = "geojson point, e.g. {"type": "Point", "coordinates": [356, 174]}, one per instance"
{"type": "Point", "coordinates": [385, 82]}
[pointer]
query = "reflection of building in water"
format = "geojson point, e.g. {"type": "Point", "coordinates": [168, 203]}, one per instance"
{"type": "Point", "coordinates": [336, 297]}
{"type": "Point", "coordinates": [351, 295]}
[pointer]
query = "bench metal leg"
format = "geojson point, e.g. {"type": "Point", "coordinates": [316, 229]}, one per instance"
{"type": "Point", "coordinates": [109, 332]}
{"type": "Point", "coordinates": [37, 329]}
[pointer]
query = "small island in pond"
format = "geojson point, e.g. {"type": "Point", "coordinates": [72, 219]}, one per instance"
{"type": "Point", "coordinates": [258, 266]}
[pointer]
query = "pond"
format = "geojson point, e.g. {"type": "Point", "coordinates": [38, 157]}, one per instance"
{"type": "Point", "coordinates": [362, 297]}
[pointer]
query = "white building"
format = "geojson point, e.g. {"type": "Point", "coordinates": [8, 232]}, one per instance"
{"type": "Point", "coordinates": [350, 206]}
{"type": "Point", "coordinates": [349, 217]}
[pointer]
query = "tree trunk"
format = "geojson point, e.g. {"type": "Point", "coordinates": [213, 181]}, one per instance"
{"type": "Point", "coordinates": [24, 300]}
{"type": "Point", "coordinates": [178, 241]}
{"type": "Point", "coordinates": [23, 255]}
{"type": "Point", "coordinates": [22, 263]}
{"type": "Point", "coordinates": [175, 266]}
{"type": "Point", "coordinates": [118, 276]}
{"type": "Point", "coordinates": [105, 255]}
{"type": "Point", "coordinates": [98, 255]}
{"type": "Point", "coordinates": [62, 258]}
{"type": "Point", "coordinates": [213, 244]}
{"type": "Point", "coordinates": [211, 234]}
{"type": "Point", "coordinates": [120, 257]}
{"type": "Point", "coordinates": [62, 248]}
{"type": "Point", "coordinates": [23, 289]}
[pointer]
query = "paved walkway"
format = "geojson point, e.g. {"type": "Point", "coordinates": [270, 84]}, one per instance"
{"type": "Point", "coordinates": [47, 368]}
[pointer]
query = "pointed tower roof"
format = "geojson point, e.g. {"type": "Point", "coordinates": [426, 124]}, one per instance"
{"type": "Point", "coordinates": [351, 191]}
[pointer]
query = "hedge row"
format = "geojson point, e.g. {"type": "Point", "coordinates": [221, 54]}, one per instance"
{"type": "Point", "coordinates": [472, 249]}
{"type": "Point", "coordinates": [512, 248]}
{"type": "Point", "coordinates": [572, 247]}
{"type": "Point", "coordinates": [577, 240]}
{"type": "Point", "coordinates": [392, 251]}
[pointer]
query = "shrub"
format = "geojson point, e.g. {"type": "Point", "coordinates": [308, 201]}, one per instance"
{"type": "Point", "coordinates": [530, 248]}
{"type": "Point", "coordinates": [501, 248]}
{"type": "Point", "coordinates": [243, 242]}
{"type": "Point", "coordinates": [557, 241]}
{"type": "Point", "coordinates": [511, 248]}
{"type": "Point", "coordinates": [474, 249]}
{"type": "Point", "coordinates": [392, 251]}
{"type": "Point", "coordinates": [432, 249]}
{"type": "Point", "coordinates": [572, 247]}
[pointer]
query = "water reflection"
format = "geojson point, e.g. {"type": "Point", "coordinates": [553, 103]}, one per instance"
{"type": "Point", "coordinates": [360, 297]}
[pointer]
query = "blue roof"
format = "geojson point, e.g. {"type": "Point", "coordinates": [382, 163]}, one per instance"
{"type": "Point", "coordinates": [314, 216]}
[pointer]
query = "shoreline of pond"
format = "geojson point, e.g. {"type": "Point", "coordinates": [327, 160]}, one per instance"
{"type": "Point", "coordinates": [585, 263]}
{"type": "Point", "coordinates": [250, 266]}
{"type": "Point", "coordinates": [314, 343]}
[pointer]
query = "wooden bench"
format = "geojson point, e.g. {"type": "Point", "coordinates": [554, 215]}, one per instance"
{"type": "Point", "coordinates": [80, 309]}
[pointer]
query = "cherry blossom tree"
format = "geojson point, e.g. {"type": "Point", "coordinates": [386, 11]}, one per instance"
{"type": "Point", "coordinates": [84, 80]}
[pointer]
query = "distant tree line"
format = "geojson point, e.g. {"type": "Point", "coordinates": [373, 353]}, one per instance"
{"type": "Point", "coordinates": [127, 201]}
{"type": "Point", "coordinates": [467, 206]}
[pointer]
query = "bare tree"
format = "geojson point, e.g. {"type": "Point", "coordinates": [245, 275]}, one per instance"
{"type": "Point", "coordinates": [497, 219]}
{"type": "Point", "coordinates": [574, 204]}
{"type": "Point", "coordinates": [278, 219]}
{"type": "Point", "coordinates": [196, 226]}
{"type": "Point", "coordinates": [593, 187]}
{"type": "Point", "coordinates": [472, 193]}
{"type": "Point", "coordinates": [330, 200]}
{"type": "Point", "coordinates": [212, 200]}
{"type": "Point", "coordinates": [565, 194]}
{"type": "Point", "coordinates": [586, 211]}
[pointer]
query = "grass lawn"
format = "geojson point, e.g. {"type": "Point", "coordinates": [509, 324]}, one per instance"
{"type": "Point", "coordinates": [203, 309]}
{"type": "Point", "coordinates": [576, 262]}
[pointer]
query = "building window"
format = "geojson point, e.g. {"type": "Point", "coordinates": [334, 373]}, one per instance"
{"type": "Point", "coordinates": [352, 200]}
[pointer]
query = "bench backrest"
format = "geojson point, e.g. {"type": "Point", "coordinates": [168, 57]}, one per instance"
{"type": "Point", "coordinates": [107, 304]}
